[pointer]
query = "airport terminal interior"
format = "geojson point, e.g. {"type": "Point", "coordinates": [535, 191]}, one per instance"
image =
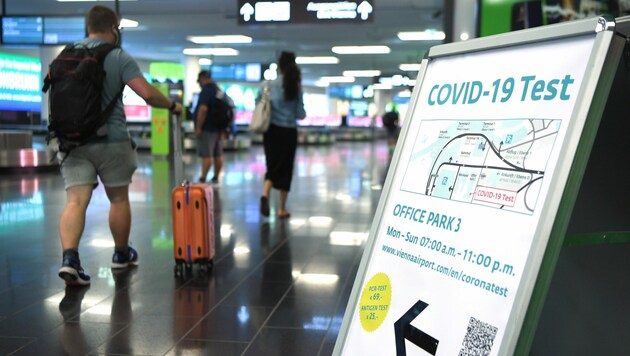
{"type": "Point", "coordinates": [278, 286]}
{"type": "Point", "coordinates": [282, 285]}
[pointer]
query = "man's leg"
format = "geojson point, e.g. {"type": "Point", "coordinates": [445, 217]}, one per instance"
{"type": "Point", "coordinates": [71, 225]}
{"type": "Point", "coordinates": [218, 165]}
{"type": "Point", "coordinates": [120, 226]}
{"type": "Point", "coordinates": [119, 215]}
{"type": "Point", "coordinates": [72, 221]}
{"type": "Point", "coordinates": [206, 163]}
{"type": "Point", "coordinates": [216, 151]}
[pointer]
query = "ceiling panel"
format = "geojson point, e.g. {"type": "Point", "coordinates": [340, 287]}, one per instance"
{"type": "Point", "coordinates": [164, 25]}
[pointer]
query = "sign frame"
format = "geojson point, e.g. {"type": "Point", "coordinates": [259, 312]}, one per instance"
{"type": "Point", "coordinates": [557, 206]}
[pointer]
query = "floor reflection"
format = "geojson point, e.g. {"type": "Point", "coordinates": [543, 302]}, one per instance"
{"type": "Point", "coordinates": [278, 286]}
{"type": "Point", "coordinates": [73, 337]}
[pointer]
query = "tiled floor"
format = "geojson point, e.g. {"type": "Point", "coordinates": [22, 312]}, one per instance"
{"type": "Point", "coordinates": [278, 287]}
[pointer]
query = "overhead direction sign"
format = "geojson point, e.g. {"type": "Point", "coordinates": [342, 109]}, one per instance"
{"type": "Point", "coordinates": [304, 11]}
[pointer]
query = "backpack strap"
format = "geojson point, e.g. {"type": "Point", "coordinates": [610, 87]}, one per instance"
{"type": "Point", "coordinates": [100, 52]}
{"type": "Point", "coordinates": [48, 78]}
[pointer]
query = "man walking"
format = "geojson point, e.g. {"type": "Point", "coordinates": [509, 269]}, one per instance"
{"type": "Point", "coordinates": [111, 158]}
{"type": "Point", "coordinates": [209, 135]}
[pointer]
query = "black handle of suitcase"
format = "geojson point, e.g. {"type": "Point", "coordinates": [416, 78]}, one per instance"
{"type": "Point", "coordinates": [178, 162]}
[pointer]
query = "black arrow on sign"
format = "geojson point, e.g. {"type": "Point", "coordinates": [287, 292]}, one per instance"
{"type": "Point", "coordinates": [404, 330]}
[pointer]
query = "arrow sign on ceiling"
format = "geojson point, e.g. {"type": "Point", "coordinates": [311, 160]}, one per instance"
{"type": "Point", "coordinates": [247, 11]}
{"type": "Point", "coordinates": [364, 9]}
{"type": "Point", "coordinates": [404, 330]}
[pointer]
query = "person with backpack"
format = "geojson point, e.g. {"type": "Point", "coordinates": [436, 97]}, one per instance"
{"type": "Point", "coordinates": [214, 115]}
{"type": "Point", "coordinates": [102, 151]}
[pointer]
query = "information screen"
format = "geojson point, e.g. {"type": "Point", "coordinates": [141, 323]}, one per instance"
{"type": "Point", "coordinates": [20, 83]}
{"type": "Point", "coordinates": [251, 72]}
{"type": "Point", "coordinates": [63, 30]}
{"type": "Point", "coordinates": [244, 98]}
{"type": "Point", "coordinates": [22, 30]}
{"type": "Point", "coordinates": [318, 113]}
{"type": "Point", "coordinates": [136, 109]}
{"type": "Point", "coordinates": [346, 92]}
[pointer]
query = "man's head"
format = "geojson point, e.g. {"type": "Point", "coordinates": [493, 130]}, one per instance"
{"type": "Point", "coordinates": [204, 77]}
{"type": "Point", "coordinates": [102, 20]}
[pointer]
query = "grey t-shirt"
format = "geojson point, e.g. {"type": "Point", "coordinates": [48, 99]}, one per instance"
{"type": "Point", "coordinates": [120, 68]}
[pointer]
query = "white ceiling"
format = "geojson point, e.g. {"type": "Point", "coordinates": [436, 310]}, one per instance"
{"type": "Point", "coordinates": [164, 25]}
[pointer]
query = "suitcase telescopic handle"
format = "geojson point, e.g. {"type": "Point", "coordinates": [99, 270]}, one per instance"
{"type": "Point", "coordinates": [178, 161]}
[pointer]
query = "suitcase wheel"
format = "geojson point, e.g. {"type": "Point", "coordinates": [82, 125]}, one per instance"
{"type": "Point", "coordinates": [179, 270]}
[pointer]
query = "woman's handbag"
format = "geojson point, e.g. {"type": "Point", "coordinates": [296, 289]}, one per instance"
{"type": "Point", "coordinates": [262, 113]}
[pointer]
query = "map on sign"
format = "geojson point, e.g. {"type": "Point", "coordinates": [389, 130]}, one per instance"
{"type": "Point", "coordinates": [498, 163]}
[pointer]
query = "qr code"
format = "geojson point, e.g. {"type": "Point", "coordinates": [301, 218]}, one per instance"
{"type": "Point", "coordinates": [479, 338]}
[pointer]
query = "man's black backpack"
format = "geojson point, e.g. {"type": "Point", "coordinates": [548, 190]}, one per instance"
{"type": "Point", "coordinates": [222, 111]}
{"type": "Point", "coordinates": [75, 79]}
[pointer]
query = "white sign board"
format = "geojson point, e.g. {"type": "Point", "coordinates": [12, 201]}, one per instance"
{"type": "Point", "coordinates": [468, 204]}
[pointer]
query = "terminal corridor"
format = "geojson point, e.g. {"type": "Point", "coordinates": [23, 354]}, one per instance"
{"type": "Point", "coordinates": [278, 286]}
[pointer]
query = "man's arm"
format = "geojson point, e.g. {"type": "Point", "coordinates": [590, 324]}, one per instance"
{"type": "Point", "coordinates": [202, 111]}
{"type": "Point", "coordinates": [152, 96]}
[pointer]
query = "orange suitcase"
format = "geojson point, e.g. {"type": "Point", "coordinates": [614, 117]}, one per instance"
{"type": "Point", "coordinates": [193, 227]}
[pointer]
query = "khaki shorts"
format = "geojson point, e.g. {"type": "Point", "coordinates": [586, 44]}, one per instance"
{"type": "Point", "coordinates": [112, 162]}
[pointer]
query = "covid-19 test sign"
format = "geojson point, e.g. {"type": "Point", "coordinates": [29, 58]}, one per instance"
{"type": "Point", "coordinates": [468, 206]}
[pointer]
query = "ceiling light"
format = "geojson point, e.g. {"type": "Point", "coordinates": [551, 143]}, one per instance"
{"type": "Point", "coordinates": [464, 36]}
{"type": "Point", "coordinates": [337, 79]}
{"type": "Point", "coordinates": [396, 80]}
{"type": "Point", "coordinates": [317, 60]}
{"type": "Point", "coordinates": [361, 49]}
{"type": "Point", "coordinates": [410, 67]}
{"type": "Point", "coordinates": [321, 84]}
{"type": "Point", "coordinates": [362, 73]}
{"type": "Point", "coordinates": [206, 62]}
{"type": "Point", "coordinates": [210, 52]}
{"type": "Point", "coordinates": [426, 35]}
{"type": "Point", "coordinates": [126, 23]}
{"type": "Point", "coordinates": [219, 39]}
{"type": "Point", "coordinates": [381, 86]}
